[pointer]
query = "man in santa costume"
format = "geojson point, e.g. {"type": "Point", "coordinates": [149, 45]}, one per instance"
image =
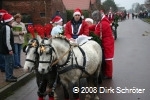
{"type": "Point", "coordinates": [110, 17]}
{"type": "Point", "coordinates": [76, 26]}
{"type": "Point", "coordinates": [103, 30]}
{"type": "Point", "coordinates": [58, 28]}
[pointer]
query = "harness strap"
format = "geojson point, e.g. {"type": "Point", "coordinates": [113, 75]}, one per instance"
{"type": "Point", "coordinates": [44, 61]}
{"type": "Point", "coordinates": [84, 56]}
{"type": "Point", "coordinates": [30, 60]}
{"type": "Point", "coordinates": [67, 69]}
{"type": "Point", "coordinates": [62, 56]}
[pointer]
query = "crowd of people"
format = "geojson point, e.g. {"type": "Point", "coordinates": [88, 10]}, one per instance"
{"type": "Point", "coordinates": [13, 30]}
{"type": "Point", "coordinates": [144, 14]}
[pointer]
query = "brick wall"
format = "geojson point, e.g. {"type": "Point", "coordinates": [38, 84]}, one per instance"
{"type": "Point", "coordinates": [34, 8]}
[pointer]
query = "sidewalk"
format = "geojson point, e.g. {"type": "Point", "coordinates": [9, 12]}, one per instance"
{"type": "Point", "coordinates": [7, 88]}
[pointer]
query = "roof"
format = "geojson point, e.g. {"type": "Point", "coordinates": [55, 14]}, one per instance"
{"type": "Point", "coordinates": [73, 4]}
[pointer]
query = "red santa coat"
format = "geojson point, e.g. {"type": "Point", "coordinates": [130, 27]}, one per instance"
{"type": "Point", "coordinates": [106, 36]}
{"type": "Point", "coordinates": [83, 29]}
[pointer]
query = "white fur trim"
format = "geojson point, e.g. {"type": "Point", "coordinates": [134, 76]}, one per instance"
{"type": "Point", "coordinates": [8, 20]}
{"type": "Point", "coordinates": [59, 21]}
{"type": "Point", "coordinates": [78, 29]}
{"type": "Point", "coordinates": [109, 59]}
{"type": "Point", "coordinates": [2, 13]}
{"type": "Point", "coordinates": [76, 13]}
{"type": "Point", "coordinates": [89, 19]}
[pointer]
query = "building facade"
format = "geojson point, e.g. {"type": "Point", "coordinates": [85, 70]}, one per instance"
{"type": "Point", "coordinates": [40, 11]}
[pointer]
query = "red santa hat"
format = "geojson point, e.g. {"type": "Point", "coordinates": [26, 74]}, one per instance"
{"type": "Point", "coordinates": [2, 12]}
{"type": "Point", "coordinates": [7, 17]}
{"type": "Point", "coordinates": [57, 19]}
{"type": "Point", "coordinates": [77, 11]}
{"type": "Point", "coordinates": [89, 19]}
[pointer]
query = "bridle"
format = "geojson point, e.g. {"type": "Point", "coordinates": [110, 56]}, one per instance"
{"type": "Point", "coordinates": [34, 44]}
{"type": "Point", "coordinates": [52, 62]}
{"type": "Point", "coordinates": [51, 50]}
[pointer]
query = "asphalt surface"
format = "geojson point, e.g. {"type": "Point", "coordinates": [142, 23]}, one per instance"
{"type": "Point", "coordinates": [131, 75]}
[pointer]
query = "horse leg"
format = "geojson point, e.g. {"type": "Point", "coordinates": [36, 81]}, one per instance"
{"type": "Point", "coordinates": [76, 95]}
{"type": "Point", "coordinates": [95, 81]}
{"type": "Point", "coordinates": [42, 89]}
{"type": "Point", "coordinates": [41, 85]}
{"type": "Point", "coordinates": [66, 93]}
{"type": "Point", "coordinates": [89, 84]}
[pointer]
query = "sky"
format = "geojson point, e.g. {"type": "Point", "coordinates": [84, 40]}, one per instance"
{"type": "Point", "coordinates": [127, 3]}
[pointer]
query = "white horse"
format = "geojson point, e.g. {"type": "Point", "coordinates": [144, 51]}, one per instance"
{"type": "Point", "coordinates": [31, 55]}
{"type": "Point", "coordinates": [69, 68]}
{"type": "Point", "coordinates": [31, 62]}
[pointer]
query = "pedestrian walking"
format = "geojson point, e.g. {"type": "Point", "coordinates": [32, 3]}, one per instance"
{"type": "Point", "coordinates": [132, 15]}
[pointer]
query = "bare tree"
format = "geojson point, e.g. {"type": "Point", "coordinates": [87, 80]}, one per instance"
{"type": "Point", "coordinates": [147, 4]}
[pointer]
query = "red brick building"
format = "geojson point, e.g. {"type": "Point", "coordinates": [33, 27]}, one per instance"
{"type": "Point", "coordinates": [40, 11]}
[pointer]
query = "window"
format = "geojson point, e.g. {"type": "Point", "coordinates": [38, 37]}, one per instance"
{"type": "Point", "coordinates": [23, 13]}
{"type": "Point", "coordinates": [42, 14]}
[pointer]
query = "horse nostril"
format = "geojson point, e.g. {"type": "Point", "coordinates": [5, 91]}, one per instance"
{"type": "Point", "coordinates": [43, 70]}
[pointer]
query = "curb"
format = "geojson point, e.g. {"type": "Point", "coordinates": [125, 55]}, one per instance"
{"type": "Point", "coordinates": [10, 88]}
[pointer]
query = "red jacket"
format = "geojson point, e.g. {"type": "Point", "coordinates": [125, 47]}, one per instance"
{"type": "Point", "coordinates": [83, 29]}
{"type": "Point", "coordinates": [107, 37]}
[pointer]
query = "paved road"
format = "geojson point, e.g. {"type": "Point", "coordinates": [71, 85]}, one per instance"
{"type": "Point", "coordinates": [131, 67]}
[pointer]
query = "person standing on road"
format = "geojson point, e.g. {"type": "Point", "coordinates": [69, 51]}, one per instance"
{"type": "Point", "coordinates": [7, 47]}
{"type": "Point", "coordinates": [132, 15]}
{"type": "Point", "coordinates": [19, 30]}
{"type": "Point", "coordinates": [128, 15]}
{"type": "Point", "coordinates": [103, 30]}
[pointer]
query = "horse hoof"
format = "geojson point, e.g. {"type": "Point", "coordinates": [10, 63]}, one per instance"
{"type": "Point", "coordinates": [87, 97]}
{"type": "Point", "coordinates": [96, 98]}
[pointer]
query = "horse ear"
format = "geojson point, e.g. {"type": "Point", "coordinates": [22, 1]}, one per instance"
{"type": "Point", "coordinates": [39, 38]}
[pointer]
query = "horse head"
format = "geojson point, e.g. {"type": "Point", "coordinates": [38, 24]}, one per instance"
{"type": "Point", "coordinates": [31, 54]}
{"type": "Point", "coordinates": [46, 55]}
{"type": "Point", "coordinates": [50, 50]}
